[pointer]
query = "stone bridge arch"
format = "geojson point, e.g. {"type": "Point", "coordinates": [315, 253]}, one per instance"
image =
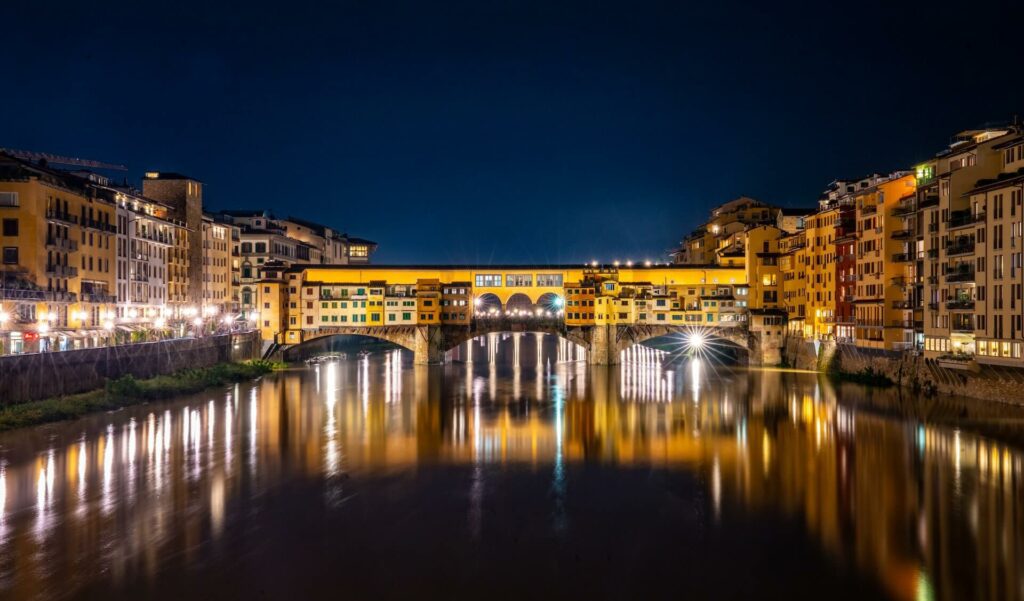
{"type": "Point", "coordinates": [453, 336]}
{"type": "Point", "coordinates": [405, 337]}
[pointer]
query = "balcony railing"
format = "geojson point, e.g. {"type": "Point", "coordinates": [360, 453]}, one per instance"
{"type": "Point", "coordinates": [933, 227]}
{"type": "Point", "coordinates": [961, 248]}
{"type": "Point", "coordinates": [960, 304]}
{"type": "Point", "coordinates": [902, 324]}
{"type": "Point", "coordinates": [99, 225]}
{"type": "Point", "coordinates": [962, 326]}
{"type": "Point", "coordinates": [903, 304]}
{"type": "Point", "coordinates": [61, 271]}
{"type": "Point", "coordinates": [904, 209]}
{"type": "Point", "coordinates": [902, 234]}
{"type": "Point", "coordinates": [869, 210]}
{"type": "Point", "coordinates": [960, 275]}
{"type": "Point", "coordinates": [958, 219]}
{"type": "Point", "coordinates": [932, 253]}
{"type": "Point", "coordinates": [62, 216]}
{"type": "Point", "coordinates": [61, 244]}
{"type": "Point", "coordinates": [902, 258]}
{"type": "Point", "coordinates": [98, 297]}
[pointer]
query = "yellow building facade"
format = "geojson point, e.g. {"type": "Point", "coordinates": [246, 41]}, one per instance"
{"type": "Point", "coordinates": [291, 303]}
{"type": "Point", "coordinates": [58, 264]}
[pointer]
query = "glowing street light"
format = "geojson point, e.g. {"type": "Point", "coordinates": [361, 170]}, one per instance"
{"type": "Point", "coordinates": [159, 322]}
{"type": "Point", "coordinates": [4, 317]}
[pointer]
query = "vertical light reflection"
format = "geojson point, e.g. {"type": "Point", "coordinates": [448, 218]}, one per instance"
{"type": "Point", "coordinates": [716, 488]}
{"type": "Point", "coordinates": [228, 433]}
{"type": "Point", "coordinates": [129, 451]}
{"type": "Point", "coordinates": [82, 468]}
{"type": "Point", "coordinates": [217, 506]}
{"type": "Point", "coordinates": [107, 500]}
{"type": "Point", "coordinates": [252, 431]}
{"type": "Point", "coordinates": [331, 454]}
{"type": "Point", "coordinates": [558, 480]}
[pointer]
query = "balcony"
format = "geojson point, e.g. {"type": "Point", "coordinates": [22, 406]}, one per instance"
{"type": "Point", "coordinates": [960, 248]}
{"type": "Point", "coordinates": [960, 275]}
{"type": "Point", "coordinates": [99, 225]}
{"type": "Point", "coordinates": [963, 325]}
{"type": "Point", "coordinates": [933, 306]}
{"type": "Point", "coordinates": [960, 304]}
{"type": "Point", "coordinates": [928, 201]}
{"type": "Point", "coordinates": [61, 217]}
{"type": "Point", "coordinates": [902, 234]}
{"type": "Point", "coordinates": [932, 253]}
{"type": "Point", "coordinates": [903, 304]}
{"type": "Point", "coordinates": [61, 244]}
{"type": "Point", "coordinates": [933, 228]}
{"type": "Point", "coordinates": [60, 296]}
{"type": "Point", "coordinates": [869, 210]}
{"type": "Point", "coordinates": [933, 280]}
{"type": "Point", "coordinates": [904, 209]}
{"type": "Point", "coordinates": [61, 271]}
{"type": "Point", "coordinates": [958, 219]}
{"type": "Point", "coordinates": [902, 324]}
{"type": "Point", "coordinates": [903, 258]}
{"type": "Point", "coordinates": [98, 297]}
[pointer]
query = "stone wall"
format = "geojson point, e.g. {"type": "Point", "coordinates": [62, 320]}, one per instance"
{"type": "Point", "coordinates": [1002, 384]}
{"type": "Point", "coordinates": [44, 375]}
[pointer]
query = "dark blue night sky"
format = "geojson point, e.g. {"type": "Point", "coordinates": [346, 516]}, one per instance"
{"type": "Point", "coordinates": [506, 132]}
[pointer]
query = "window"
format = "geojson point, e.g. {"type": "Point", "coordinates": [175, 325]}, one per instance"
{"type": "Point", "coordinates": [261, 247]}
{"type": "Point", "coordinates": [406, 316]}
{"type": "Point", "coordinates": [247, 247]}
{"type": "Point", "coordinates": [488, 280]}
{"type": "Point", "coordinates": [10, 227]}
{"type": "Point", "coordinates": [10, 255]}
{"type": "Point", "coordinates": [518, 280]}
{"type": "Point", "coordinates": [9, 199]}
{"type": "Point", "coordinates": [549, 280]}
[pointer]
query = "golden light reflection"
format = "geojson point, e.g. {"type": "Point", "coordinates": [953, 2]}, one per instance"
{"type": "Point", "coordinates": [896, 497]}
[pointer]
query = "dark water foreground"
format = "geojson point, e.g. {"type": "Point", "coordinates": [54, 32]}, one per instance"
{"type": "Point", "coordinates": [369, 479]}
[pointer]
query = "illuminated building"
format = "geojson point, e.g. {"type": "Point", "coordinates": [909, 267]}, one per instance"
{"type": "Point", "coordinates": [57, 273]}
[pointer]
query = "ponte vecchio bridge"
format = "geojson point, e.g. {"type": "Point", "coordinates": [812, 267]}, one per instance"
{"type": "Point", "coordinates": [432, 309]}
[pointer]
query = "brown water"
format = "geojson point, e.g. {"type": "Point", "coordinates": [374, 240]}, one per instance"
{"type": "Point", "coordinates": [370, 479]}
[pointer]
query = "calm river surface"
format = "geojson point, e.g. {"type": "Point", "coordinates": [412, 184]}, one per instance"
{"type": "Point", "coordinates": [370, 478]}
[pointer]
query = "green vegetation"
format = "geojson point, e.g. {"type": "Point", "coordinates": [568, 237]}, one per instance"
{"type": "Point", "coordinates": [126, 391]}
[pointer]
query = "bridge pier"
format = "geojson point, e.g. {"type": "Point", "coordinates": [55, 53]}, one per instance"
{"type": "Point", "coordinates": [428, 345]}
{"type": "Point", "coordinates": [604, 348]}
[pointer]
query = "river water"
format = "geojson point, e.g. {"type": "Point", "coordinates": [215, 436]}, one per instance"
{"type": "Point", "coordinates": [372, 478]}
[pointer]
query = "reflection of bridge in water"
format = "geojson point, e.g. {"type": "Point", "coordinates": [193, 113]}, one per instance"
{"type": "Point", "coordinates": [900, 497]}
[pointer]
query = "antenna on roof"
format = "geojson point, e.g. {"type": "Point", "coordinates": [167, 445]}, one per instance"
{"type": "Point", "coordinates": [47, 158]}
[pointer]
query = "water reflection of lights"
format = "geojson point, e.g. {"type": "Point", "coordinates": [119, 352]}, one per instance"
{"type": "Point", "coordinates": [696, 374]}
{"type": "Point", "coordinates": [645, 382]}
{"type": "Point", "coordinates": [107, 502]}
{"type": "Point", "coordinates": [332, 459]}
{"type": "Point", "coordinates": [97, 465]}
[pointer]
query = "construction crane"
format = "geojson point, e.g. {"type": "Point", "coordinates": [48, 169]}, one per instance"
{"type": "Point", "coordinates": [35, 157]}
